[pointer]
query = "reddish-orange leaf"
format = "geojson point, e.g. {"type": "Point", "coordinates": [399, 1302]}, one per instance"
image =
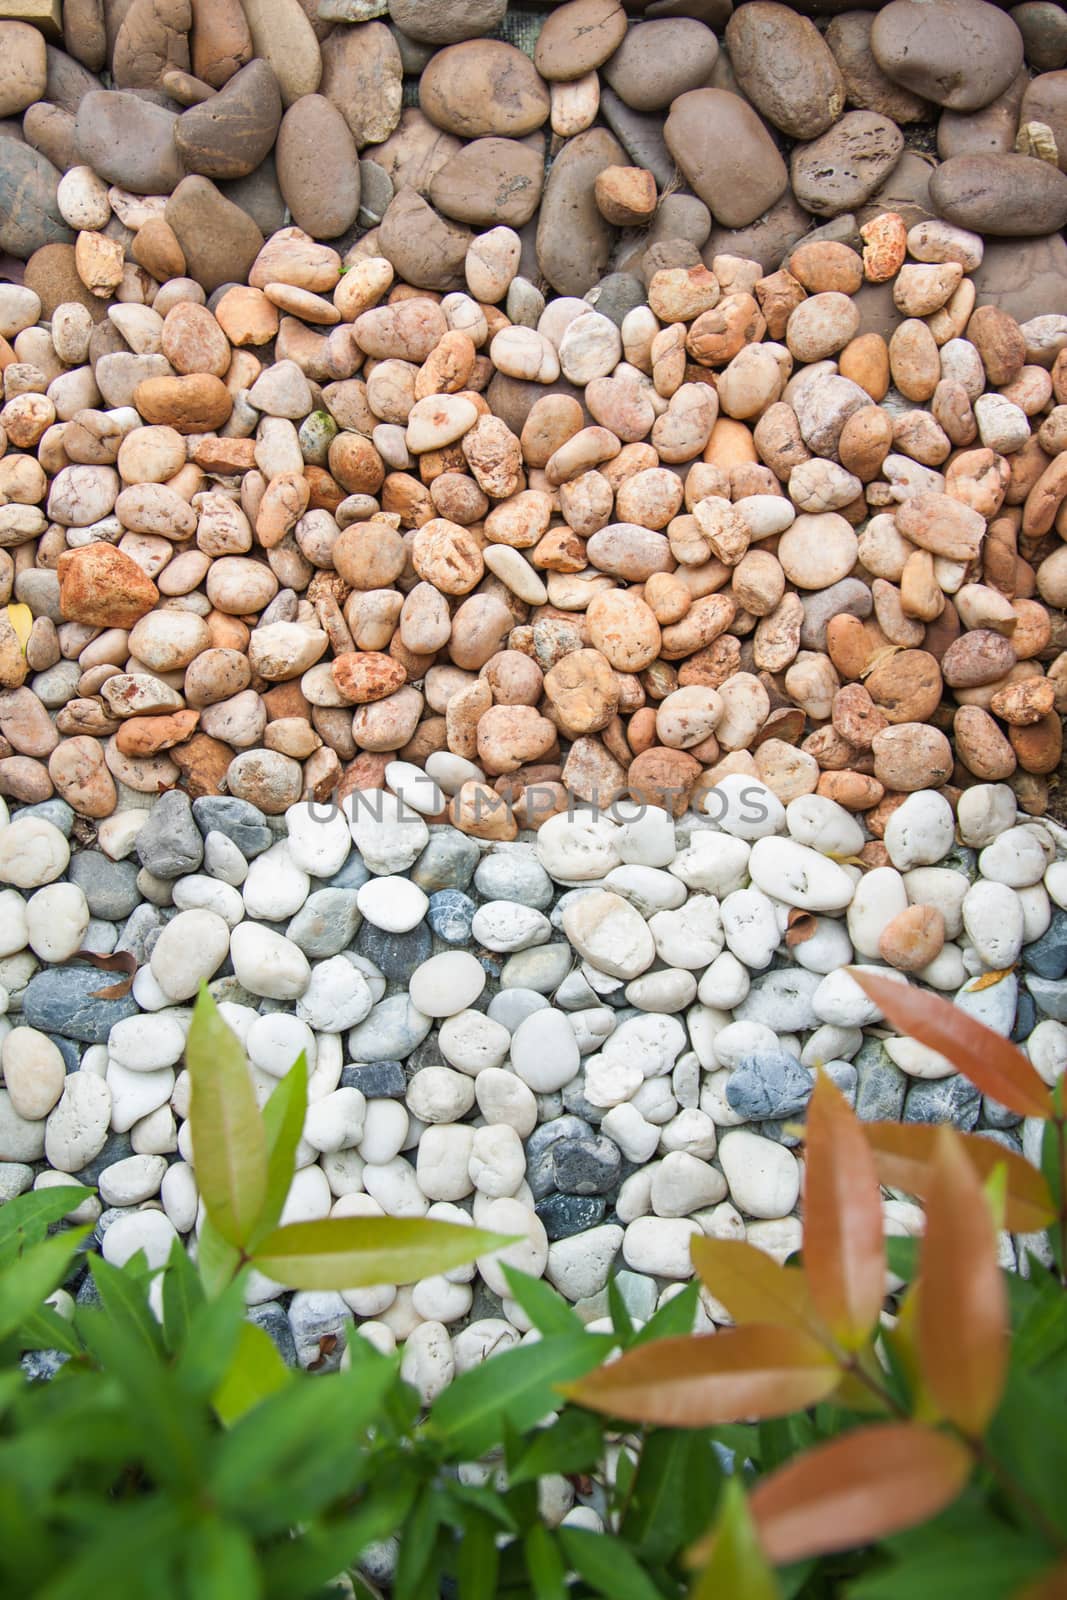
{"type": "Point", "coordinates": [993, 1064]}
{"type": "Point", "coordinates": [844, 1257]}
{"type": "Point", "coordinates": [963, 1309]}
{"type": "Point", "coordinates": [856, 1489]}
{"type": "Point", "coordinates": [741, 1373]}
{"type": "Point", "coordinates": [751, 1284]}
{"type": "Point", "coordinates": [903, 1153]}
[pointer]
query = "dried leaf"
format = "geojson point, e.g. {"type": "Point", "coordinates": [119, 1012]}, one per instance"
{"type": "Point", "coordinates": [903, 1155]}
{"type": "Point", "coordinates": [963, 1308]}
{"type": "Point", "coordinates": [988, 979]}
{"type": "Point", "coordinates": [844, 1257]}
{"type": "Point", "coordinates": [800, 928]}
{"type": "Point", "coordinates": [21, 619]}
{"type": "Point", "coordinates": [696, 1382]}
{"type": "Point", "coordinates": [752, 1286]}
{"type": "Point", "coordinates": [123, 961]}
{"type": "Point", "coordinates": [990, 1062]}
{"type": "Point", "coordinates": [856, 1489]}
{"type": "Point", "coordinates": [1051, 1585]}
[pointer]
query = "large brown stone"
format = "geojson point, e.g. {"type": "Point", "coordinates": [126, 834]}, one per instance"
{"type": "Point", "coordinates": [1045, 100]}
{"type": "Point", "coordinates": [282, 35]}
{"type": "Point", "coordinates": [490, 181]}
{"type": "Point", "coordinates": [957, 53]}
{"type": "Point", "coordinates": [1010, 196]}
{"type": "Point", "coordinates": [362, 74]}
{"type": "Point", "coordinates": [29, 214]}
{"type": "Point", "coordinates": [579, 37]}
{"type": "Point", "coordinates": [23, 67]}
{"type": "Point", "coordinates": [574, 243]}
{"type": "Point", "coordinates": [318, 167]}
{"type": "Point", "coordinates": [221, 43]}
{"type": "Point", "coordinates": [785, 68]}
{"type": "Point", "coordinates": [839, 171]}
{"type": "Point", "coordinates": [866, 85]}
{"type": "Point", "coordinates": [727, 155]}
{"type": "Point", "coordinates": [219, 241]}
{"type": "Point", "coordinates": [483, 87]}
{"type": "Point", "coordinates": [425, 249]}
{"type": "Point", "coordinates": [153, 39]}
{"type": "Point", "coordinates": [230, 134]}
{"type": "Point", "coordinates": [51, 274]}
{"type": "Point", "coordinates": [84, 33]}
{"type": "Point", "coordinates": [658, 61]}
{"type": "Point", "coordinates": [129, 141]}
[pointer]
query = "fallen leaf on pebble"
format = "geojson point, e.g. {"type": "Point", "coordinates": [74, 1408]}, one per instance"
{"type": "Point", "coordinates": [21, 620]}
{"type": "Point", "coordinates": [123, 961]}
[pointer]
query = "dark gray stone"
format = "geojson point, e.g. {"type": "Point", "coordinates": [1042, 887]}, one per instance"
{"type": "Point", "coordinates": [110, 887]}
{"type": "Point", "coordinates": [564, 1215]}
{"type": "Point", "coordinates": [116, 1148]}
{"type": "Point", "coordinates": [353, 875]}
{"type": "Point", "coordinates": [1047, 956]}
{"type": "Point", "coordinates": [586, 1166]}
{"type": "Point", "coordinates": [514, 875]}
{"type": "Point", "coordinates": [540, 1172]}
{"type": "Point", "coordinates": [62, 1000]}
{"type": "Point", "coordinates": [770, 1085]}
{"type": "Point", "coordinates": [1025, 1017]}
{"type": "Point", "coordinates": [618, 294]}
{"type": "Point", "coordinates": [170, 844]}
{"type": "Point", "coordinates": [69, 1050]}
{"type": "Point", "coordinates": [450, 915]}
{"type": "Point", "coordinates": [239, 820]}
{"type": "Point", "coordinates": [378, 1080]}
{"type": "Point", "coordinates": [641, 136]}
{"type": "Point", "coordinates": [953, 1100]}
{"type": "Point", "coordinates": [395, 954]}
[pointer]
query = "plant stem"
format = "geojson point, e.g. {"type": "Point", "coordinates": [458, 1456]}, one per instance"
{"type": "Point", "coordinates": [620, 1515]}
{"type": "Point", "coordinates": [855, 1370]}
{"type": "Point", "coordinates": [1015, 1491]}
{"type": "Point", "coordinates": [1061, 1140]}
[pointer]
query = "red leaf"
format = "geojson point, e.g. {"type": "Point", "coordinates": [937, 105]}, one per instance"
{"type": "Point", "coordinates": [696, 1382]}
{"type": "Point", "coordinates": [963, 1309]}
{"type": "Point", "coordinates": [857, 1489]}
{"type": "Point", "coordinates": [751, 1284]}
{"type": "Point", "coordinates": [991, 1063]}
{"type": "Point", "coordinates": [844, 1257]}
{"type": "Point", "coordinates": [903, 1155]}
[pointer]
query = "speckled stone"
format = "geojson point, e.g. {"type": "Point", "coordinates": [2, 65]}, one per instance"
{"type": "Point", "coordinates": [109, 887]}
{"type": "Point", "coordinates": [447, 862]}
{"type": "Point", "coordinates": [378, 1080]}
{"type": "Point", "coordinates": [881, 1085]}
{"type": "Point", "coordinates": [62, 1000]}
{"type": "Point", "coordinates": [1047, 956]}
{"type": "Point", "coordinates": [769, 1085]}
{"type": "Point", "coordinates": [450, 915]}
{"type": "Point", "coordinates": [326, 923]}
{"type": "Point", "coordinates": [395, 954]}
{"type": "Point", "coordinates": [953, 1100]}
{"type": "Point", "coordinates": [564, 1215]}
{"type": "Point", "coordinates": [586, 1166]}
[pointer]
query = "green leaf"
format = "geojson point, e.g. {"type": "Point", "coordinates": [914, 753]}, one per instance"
{"type": "Point", "coordinates": [127, 1550]}
{"type": "Point", "coordinates": [478, 1561]}
{"type": "Point", "coordinates": [299, 1449]}
{"type": "Point", "coordinates": [966, 1553]}
{"type": "Point", "coordinates": [547, 1310]}
{"type": "Point", "coordinates": [124, 1297]}
{"type": "Point", "coordinates": [283, 1121]}
{"type": "Point", "coordinates": [255, 1372]}
{"type": "Point", "coordinates": [358, 1252]}
{"type": "Point", "coordinates": [903, 1257]}
{"type": "Point", "coordinates": [221, 1562]}
{"type": "Point", "coordinates": [736, 1567]}
{"type": "Point", "coordinates": [229, 1138]}
{"type": "Point", "coordinates": [218, 1262]}
{"type": "Point", "coordinates": [417, 1544]}
{"type": "Point", "coordinates": [573, 1443]}
{"type": "Point", "coordinates": [606, 1565]}
{"type": "Point", "coordinates": [29, 1279]}
{"type": "Point", "coordinates": [621, 1321]}
{"type": "Point", "coordinates": [518, 1384]}
{"type": "Point", "coordinates": [545, 1566]}
{"type": "Point", "coordinates": [44, 1329]}
{"type": "Point", "coordinates": [182, 1296]}
{"type": "Point", "coordinates": [674, 1493]}
{"type": "Point", "coordinates": [214, 1333]}
{"type": "Point", "coordinates": [1028, 1436]}
{"type": "Point", "coordinates": [674, 1318]}
{"type": "Point", "coordinates": [1052, 1168]}
{"type": "Point", "coordinates": [174, 1436]}
{"type": "Point", "coordinates": [27, 1218]}
{"type": "Point", "coordinates": [303, 1564]}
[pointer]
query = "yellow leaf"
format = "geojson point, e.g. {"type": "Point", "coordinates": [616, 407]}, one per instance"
{"type": "Point", "coordinates": [988, 979]}
{"type": "Point", "coordinates": [21, 620]}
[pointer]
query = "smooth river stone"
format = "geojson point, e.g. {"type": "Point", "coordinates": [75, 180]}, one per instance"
{"type": "Point", "coordinates": [29, 213]}
{"type": "Point", "coordinates": [1006, 195]}
{"type": "Point", "coordinates": [727, 155]}
{"type": "Point", "coordinates": [574, 243]}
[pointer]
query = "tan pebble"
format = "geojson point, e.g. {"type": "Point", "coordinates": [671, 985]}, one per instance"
{"type": "Point", "coordinates": [624, 629]}
{"type": "Point", "coordinates": [914, 361]}
{"type": "Point", "coordinates": [479, 811]}
{"type": "Point", "coordinates": [981, 745]}
{"type": "Point", "coordinates": [913, 938]}
{"type": "Point", "coordinates": [1024, 703]}
{"type": "Point", "coordinates": [1038, 746]}
{"type": "Point", "coordinates": [911, 756]}
{"type": "Point", "coordinates": [885, 243]}
{"type": "Point", "coordinates": [98, 261]}
{"type": "Point", "coordinates": [680, 294]}
{"type": "Point", "coordinates": [906, 685]}
{"type": "Point", "coordinates": [823, 266]}
{"type": "Point", "coordinates": [663, 777]}
{"type": "Point", "coordinates": [78, 771]}
{"type": "Point", "coordinates": [625, 196]}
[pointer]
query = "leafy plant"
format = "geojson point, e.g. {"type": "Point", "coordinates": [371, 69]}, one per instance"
{"type": "Point", "coordinates": [859, 1425]}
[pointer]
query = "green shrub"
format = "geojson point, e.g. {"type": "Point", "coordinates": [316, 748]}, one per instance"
{"type": "Point", "coordinates": [834, 1443]}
